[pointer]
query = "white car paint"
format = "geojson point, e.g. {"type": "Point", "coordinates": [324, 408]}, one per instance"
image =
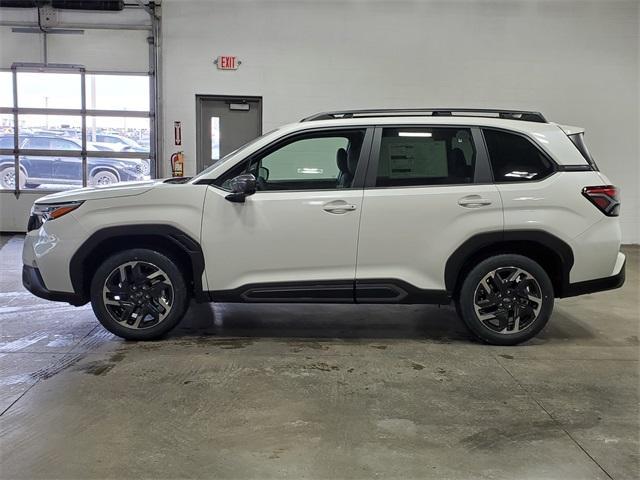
{"type": "Point", "coordinates": [401, 233]}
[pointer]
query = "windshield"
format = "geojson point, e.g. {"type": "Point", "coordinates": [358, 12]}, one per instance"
{"type": "Point", "coordinates": [231, 154]}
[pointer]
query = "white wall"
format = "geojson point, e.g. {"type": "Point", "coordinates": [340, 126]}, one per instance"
{"type": "Point", "coordinates": [576, 61]}
{"type": "Point", "coordinates": [121, 50]}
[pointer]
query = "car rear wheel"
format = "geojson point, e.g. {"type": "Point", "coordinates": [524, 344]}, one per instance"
{"type": "Point", "coordinates": [104, 177]}
{"type": "Point", "coordinates": [8, 178]}
{"type": "Point", "coordinates": [506, 299]}
{"type": "Point", "coordinates": [139, 294]}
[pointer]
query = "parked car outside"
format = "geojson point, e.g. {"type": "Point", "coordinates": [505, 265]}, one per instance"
{"type": "Point", "coordinates": [116, 142]}
{"type": "Point", "coordinates": [62, 170]}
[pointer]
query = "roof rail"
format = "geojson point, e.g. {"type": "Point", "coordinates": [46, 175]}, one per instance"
{"type": "Point", "coordinates": [433, 112]}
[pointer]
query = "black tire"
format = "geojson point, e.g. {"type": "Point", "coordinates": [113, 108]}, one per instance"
{"type": "Point", "coordinates": [512, 302]}
{"type": "Point", "coordinates": [169, 290]}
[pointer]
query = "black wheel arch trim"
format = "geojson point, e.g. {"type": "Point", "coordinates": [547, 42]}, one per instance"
{"type": "Point", "coordinates": [177, 237]}
{"type": "Point", "coordinates": [477, 243]}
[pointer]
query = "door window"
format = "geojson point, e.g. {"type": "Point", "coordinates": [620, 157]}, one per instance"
{"type": "Point", "coordinates": [425, 156]}
{"type": "Point", "coordinates": [514, 158]}
{"type": "Point", "coordinates": [312, 161]}
{"type": "Point", "coordinates": [62, 144]}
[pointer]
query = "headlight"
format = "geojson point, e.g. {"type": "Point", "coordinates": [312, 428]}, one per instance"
{"type": "Point", "coordinates": [40, 213]}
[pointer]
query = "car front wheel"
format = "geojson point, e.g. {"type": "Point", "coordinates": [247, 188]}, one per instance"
{"type": "Point", "coordinates": [506, 299]}
{"type": "Point", "coordinates": [139, 294]}
{"type": "Point", "coordinates": [104, 177]}
{"type": "Point", "coordinates": [8, 178]}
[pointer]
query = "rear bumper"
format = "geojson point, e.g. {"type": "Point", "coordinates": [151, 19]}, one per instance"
{"type": "Point", "coordinates": [597, 285]}
{"type": "Point", "coordinates": [32, 281]}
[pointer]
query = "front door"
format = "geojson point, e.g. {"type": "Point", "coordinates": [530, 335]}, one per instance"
{"type": "Point", "coordinates": [295, 239]}
{"type": "Point", "coordinates": [225, 124]}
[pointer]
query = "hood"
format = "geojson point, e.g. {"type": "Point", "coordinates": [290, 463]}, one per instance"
{"type": "Point", "coordinates": [125, 189]}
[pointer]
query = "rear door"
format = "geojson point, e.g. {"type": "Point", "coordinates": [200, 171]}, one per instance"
{"type": "Point", "coordinates": [428, 189]}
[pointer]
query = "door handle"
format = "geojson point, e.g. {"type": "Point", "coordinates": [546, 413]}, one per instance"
{"type": "Point", "coordinates": [473, 201]}
{"type": "Point", "coordinates": [338, 207]}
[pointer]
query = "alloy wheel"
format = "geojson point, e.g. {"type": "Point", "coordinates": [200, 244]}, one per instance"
{"type": "Point", "coordinates": [507, 300]}
{"type": "Point", "coordinates": [8, 179]}
{"type": "Point", "coordinates": [138, 295]}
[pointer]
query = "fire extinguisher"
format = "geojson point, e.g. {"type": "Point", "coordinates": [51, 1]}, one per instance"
{"type": "Point", "coordinates": [177, 164]}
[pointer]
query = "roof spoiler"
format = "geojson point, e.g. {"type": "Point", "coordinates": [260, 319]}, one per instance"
{"type": "Point", "coordinates": [570, 130]}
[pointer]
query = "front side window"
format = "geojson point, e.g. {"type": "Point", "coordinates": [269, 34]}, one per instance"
{"type": "Point", "coordinates": [514, 158]}
{"type": "Point", "coordinates": [425, 156]}
{"type": "Point", "coordinates": [323, 160]}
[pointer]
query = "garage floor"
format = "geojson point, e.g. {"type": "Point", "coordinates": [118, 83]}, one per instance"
{"type": "Point", "coordinates": [315, 391]}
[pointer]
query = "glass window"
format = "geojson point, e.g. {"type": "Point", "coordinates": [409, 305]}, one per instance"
{"type": "Point", "coordinates": [425, 156]}
{"type": "Point", "coordinates": [313, 161]}
{"type": "Point", "coordinates": [6, 124]}
{"type": "Point", "coordinates": [578, 140]}
{"type": "Point", "coordinates": [50, 125]}
{"type": "Point", "coordinates": [117, 92]}
{"type": "Point", "coordinates": [49, 90]}
{"type": "Point", "coordinates": [118, 134]}
{"type": "Point", "coordinates": [107, 171]}
{"type": "Point", "coordinates": [50, 172]}
{"type": "Point", "coordinates": [514, 158]}
{"type": "Point", "coordinates": [6, 89]}
{"type": "Point", "coordinates": [215, 138]}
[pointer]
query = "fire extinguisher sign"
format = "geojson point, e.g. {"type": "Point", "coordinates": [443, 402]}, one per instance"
{"type": "Point", "coordinates": [177, 133]}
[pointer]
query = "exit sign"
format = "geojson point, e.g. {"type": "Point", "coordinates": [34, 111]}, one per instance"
{"type": "Point", "coordinates": [226, 62]}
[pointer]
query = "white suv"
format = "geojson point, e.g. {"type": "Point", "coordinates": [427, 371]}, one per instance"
{"type": "Point", "coordinates": [497, 211]}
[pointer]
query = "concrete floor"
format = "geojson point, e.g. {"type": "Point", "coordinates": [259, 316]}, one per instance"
{"type": "Point", "coordinates": [272, 391]}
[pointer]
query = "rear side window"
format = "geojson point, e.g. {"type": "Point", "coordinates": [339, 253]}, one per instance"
{"type": "Point", "coordinates": [514, 158]}
{"type": "Point", "coordinates": [425, 156]}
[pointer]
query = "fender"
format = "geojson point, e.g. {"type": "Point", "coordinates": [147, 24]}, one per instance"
{"type": "Point", "coordinates": [481, 241]}
{"type": "Point", "coordinates": [175, 236]}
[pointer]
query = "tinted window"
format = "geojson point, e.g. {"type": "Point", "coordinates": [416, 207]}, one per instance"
{"type": "Point", "coordinates": [38, 143]}
{"type": "Point", "coordinates": [6, 142]}
{"type": "Point", "coordinates": [578, 140]}
{"type": "Point", "coordinates": [62, 144]}
{"type": "Point", "coordinates": [425, 156]}
{"type": "Point", "coordinates": [312, 161]}
{"type": "Point", "coordinates": [514, 158]}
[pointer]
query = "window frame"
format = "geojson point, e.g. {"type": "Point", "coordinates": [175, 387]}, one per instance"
{"type": "Point", "coordinates": [482, 173]}
{"type": "Point", "coordinates": [17, 151]}
{"type": "Point", "coordinates": [358, 178]}
{"type": "Point", "coordinates": [555, 168]}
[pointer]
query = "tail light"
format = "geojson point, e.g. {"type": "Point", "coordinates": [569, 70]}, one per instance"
{"type": "Point", "coordinates": [605, 197]}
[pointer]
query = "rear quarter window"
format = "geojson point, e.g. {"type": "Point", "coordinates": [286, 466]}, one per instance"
{"type": "Point", "coordinates": [514, 158]}
{"type": "Point", "coordinates": [578, 140]}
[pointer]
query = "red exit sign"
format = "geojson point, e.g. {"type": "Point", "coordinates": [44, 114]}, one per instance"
{"type": "Point", "coordinates": [226, 62]}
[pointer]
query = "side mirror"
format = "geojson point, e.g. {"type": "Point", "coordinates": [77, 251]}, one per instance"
{"type": "Point", "coordinates": [241, 187]}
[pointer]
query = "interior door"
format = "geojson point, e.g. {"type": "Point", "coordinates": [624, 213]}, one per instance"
{"type": "Point", "coordinates": [429, 190]}
{"type": "Point", "coordinates": [225, 124]}
{"type": "Point", "coordinates": [283, 244]}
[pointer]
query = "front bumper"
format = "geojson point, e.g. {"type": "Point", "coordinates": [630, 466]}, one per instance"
{"type": "Point", "coordinates": [32, 281]}
{"type": "Point", "coordinates": [597, 285]}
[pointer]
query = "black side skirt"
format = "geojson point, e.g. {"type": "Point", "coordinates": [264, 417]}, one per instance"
{"type": "Point", "coordinates": [333, 291]}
